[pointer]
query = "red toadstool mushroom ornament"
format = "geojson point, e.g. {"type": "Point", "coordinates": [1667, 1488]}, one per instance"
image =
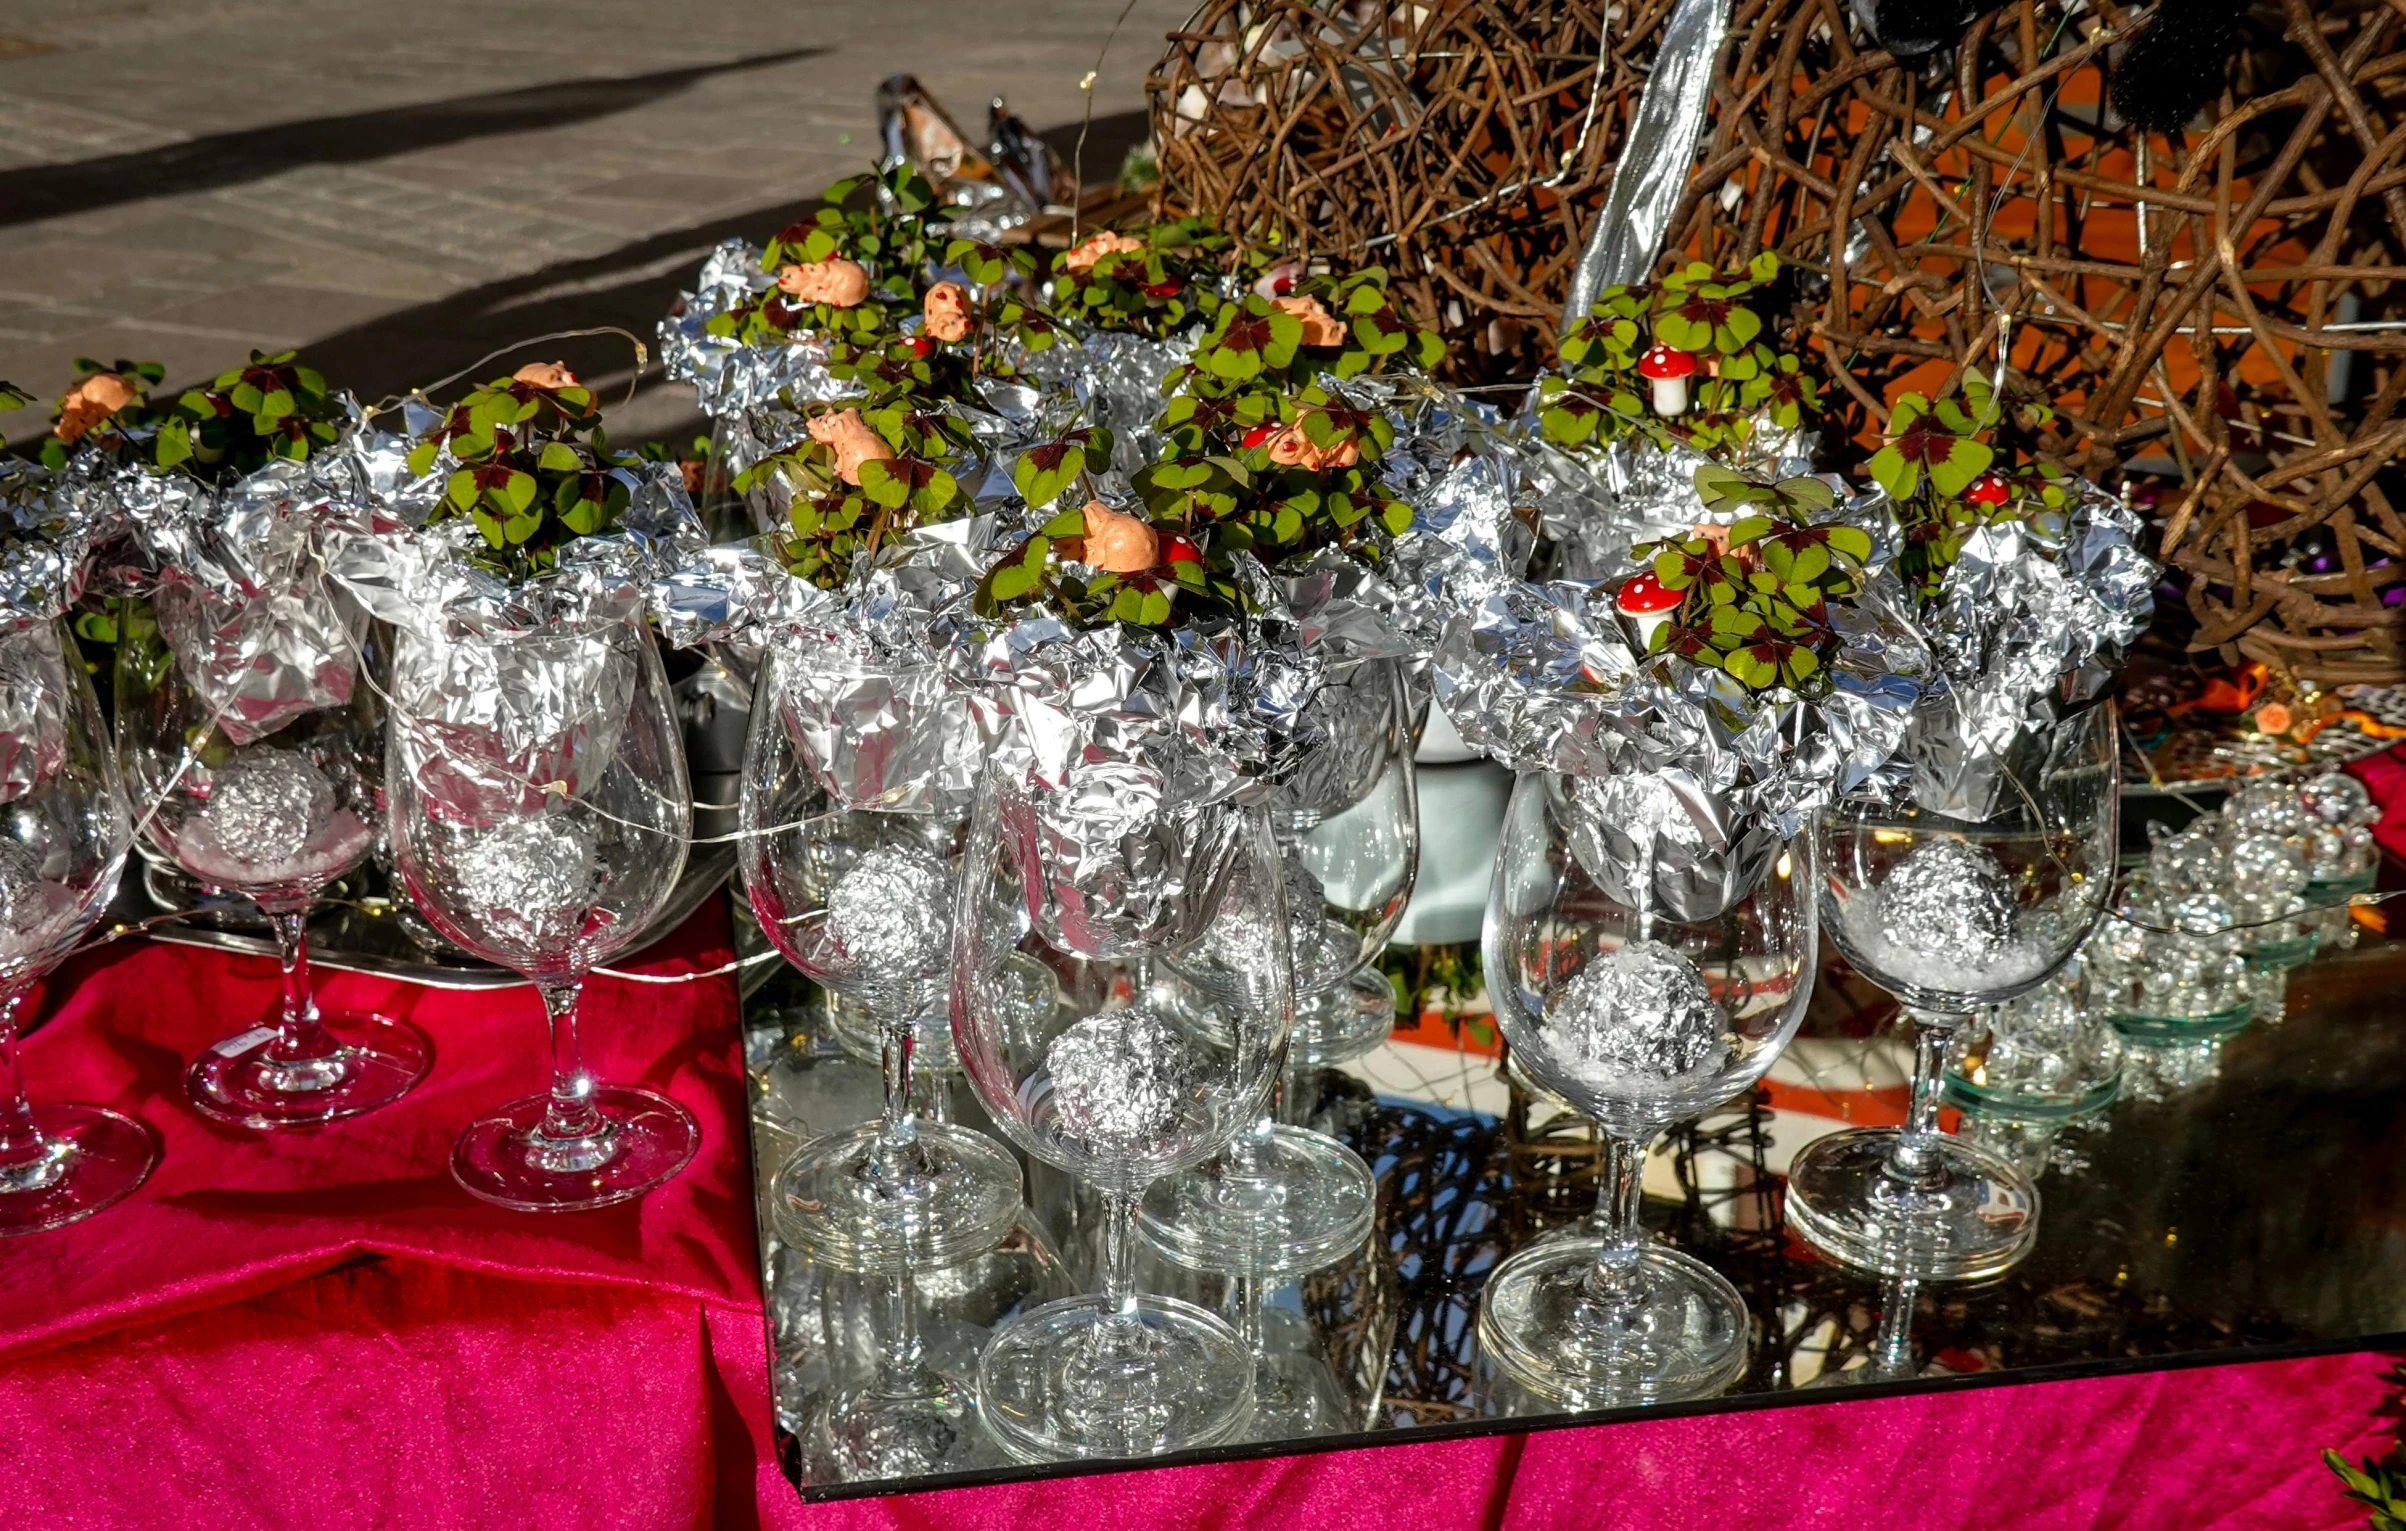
{"type": "Point", "coordinates": [1988, 489]}
{"type": "Point", "coordinates": [1668, 369]}
{"type": "Point", "coordinates": [1645, 605]}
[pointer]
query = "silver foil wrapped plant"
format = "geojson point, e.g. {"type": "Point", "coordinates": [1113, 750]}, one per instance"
{"type": "Point", "coordinates": [2030, 586]}
{"type": "Point", "coordinates": [507, 568]}
{"type": "Point", "coordinates": [1706, 700]}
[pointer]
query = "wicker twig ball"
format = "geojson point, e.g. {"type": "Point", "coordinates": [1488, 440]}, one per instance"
{"type": "Point", "coordinates": [2218, 306]}
{"type": "Point", "coordinates": [1464, 144]}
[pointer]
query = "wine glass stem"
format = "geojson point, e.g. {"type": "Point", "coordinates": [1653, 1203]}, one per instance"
{"type": "Point", "coordinates": [1892, 1355]}
{"type": "Point", "coordinates": [1614, 1285]}
{"type": "Point", "coordinates": [1119, 1249]}
{"type": "Point", "coordinates": [22, 1148]}
{"type": "Point", "coordinates": [301, 1038]}
{"type": "Point", "coordinates": [894, 1318]}
{"type": "Point", "coordinates": [571, 1113]}
{"type": "Point", "coordinates": [1916, 1157]}
{"type": "Point", "coordinates": [898, 1128]}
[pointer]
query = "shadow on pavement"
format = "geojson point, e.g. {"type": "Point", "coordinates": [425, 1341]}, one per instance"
{"type": "Point", "coordinates": [36, 192]}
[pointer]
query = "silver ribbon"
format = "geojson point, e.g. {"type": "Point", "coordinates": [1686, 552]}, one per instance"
{"type": "Point", "coordinates": [1655, 159]}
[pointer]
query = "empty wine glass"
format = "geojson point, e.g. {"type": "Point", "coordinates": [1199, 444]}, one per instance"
{"type": "Point", "coordinates": [64, 833]}
{"type": "Point", "coordinates": [1283, 1199]}
{"type": "Point", "coordinates": [252, 755]}
{"type": "Point", "coordinates": [1641, 1019]}
{"type": "Point", "coordinates": [1950, 916]}
{"type": "Point", "coordinates": [861, 901]}
{"type": "Point", "coordinates": [540, 818]}
{"type": "Point", "coordinates": [1092, 1055]}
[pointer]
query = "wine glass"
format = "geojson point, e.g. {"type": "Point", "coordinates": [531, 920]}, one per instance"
{"type": "Point", "coordinates": [64, 833]}
{"type": "Point", "coordinates": [861, 901]}
{"type": "Point", "coordinates": [540, 819]}
{"type": "Point", "coordinates": [1641, 1019]}
{"type": "Point", "coordinates": [1282, 1199]}
{"type": "Point", "coordinates": [1091, 1053]}
{"type": "Point", "coordinates": [1950, 916]}
{"type": "Point", "coordinates": [252, 755]}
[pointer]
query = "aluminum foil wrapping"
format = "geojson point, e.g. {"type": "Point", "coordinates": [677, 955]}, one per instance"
{"type": "Point", "coordinates": [504, 693]}
{"type": "Point", "coordinates": [860, 674]}
{"type": "Point", "coordinates": [1594, 506]}
{"type": "Point", "coordinates": [1105, 378]}
{"type": "Point", "coordinates": [730, 375]}
{"type": "Point", "coordinates": [234, 576]}
{"type": "Point", "coordinates": [50, 526]}
{"type": "Point", "coordinates": [1688, 782]}
{"type": "Point", "coordinates": [2031, 622]}
{"type": "Point", "coordinates": [33, 705]}
{"type": "Point", "coordinates": [1122, 737]}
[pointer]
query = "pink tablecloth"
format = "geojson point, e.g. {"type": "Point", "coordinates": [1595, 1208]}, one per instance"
{"type": "Point", "coordinates": [321, 1330]}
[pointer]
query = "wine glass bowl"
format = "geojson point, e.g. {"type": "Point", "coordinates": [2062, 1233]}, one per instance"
{"type": "Point", "coordinates": [540, 815]}
{"type": "Point", "coordinates": [1640, 1019]}
{"type": "Point", "coordinates": [1953, 915]}
{"type": "Point", "coordinates": [1119, 1072]}
{"type": "Point", "coordinates": [64, 835]}
{"type": "Point", "coordinates": [265, 781]}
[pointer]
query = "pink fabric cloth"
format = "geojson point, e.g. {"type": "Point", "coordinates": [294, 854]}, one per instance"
{"type": "Point", "coordinates": [2384, 776]}
{"type": "Point", "coordinates": [319, 1329]}
{"type": "Point", "coordinates": [226, 1347]}
{"type": "Point", "coordinates": [230, 1213]}
{"type": "Point", "coordinates": [2222, 1448]}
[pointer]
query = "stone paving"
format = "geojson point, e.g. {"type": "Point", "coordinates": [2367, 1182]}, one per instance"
{"type": "Point", "coordinates": [398, 189]}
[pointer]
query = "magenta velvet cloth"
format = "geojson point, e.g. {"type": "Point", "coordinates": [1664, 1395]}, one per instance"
{"type": "Point", "coordinates": [223, 1349]}
{"type": "Point", "coordinates": [227, 1349]}
{"type": "Point", "coordinates": [2222, 1448]}
{"type": "Point", "coordinates": [2384, 776]}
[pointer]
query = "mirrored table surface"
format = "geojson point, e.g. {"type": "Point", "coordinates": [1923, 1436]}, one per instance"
{"type": "Point", "coordinates": [2240, 1200]}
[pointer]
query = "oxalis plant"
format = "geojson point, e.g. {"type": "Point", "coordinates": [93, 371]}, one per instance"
{"type": "Point", "coordinates": [886, 233]}
{"type": "Point", "coordinates": [1157, 280]}
{"type": "Point", "coordinates": [1738, 381]}
{"type": "Point", "coordinates": [1755, 603]}
{"type": "Point", "coordinates": [832, 522]}
{"type": "Point", "coordinates": [1049, 570]}
{"type": "Point", "coordinates": [1262, 458]}
{"type": "Point", "coordinates": [1937, 464]}
{"type": "Point", "coordinates": [534, 468]}
{"type": "Point", "coordinates": [270, 409]}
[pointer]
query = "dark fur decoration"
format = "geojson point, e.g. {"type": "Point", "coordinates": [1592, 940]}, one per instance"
{"type": "Point", "coordinates": [1911, 28]}
{"type": "Point", "coordinates": [2177, 63]}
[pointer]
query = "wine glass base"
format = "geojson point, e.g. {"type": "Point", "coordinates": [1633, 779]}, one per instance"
{"type": "Point", "coordinates": [238, 1081]}
{"type": "Point", "coordinates": [92, 1158]}
{"type": "Point", "coordinates": [1088, 1378]}
{"type": "Point", "coordinates": [864, 1433]}
{"type": "Point", "coordinates": [949, 1194]}
{"type": "Point", "coordinates": [503, 1158]}
{"type": "Point", "coordinates": [1976, 1215]}
{"type": "Point", "coordinates": [1340, 1024]}
{"type": "Point", "coordinates": [1295, 1201]}
{"type": "Point", "coordinates": [1688, 1336]}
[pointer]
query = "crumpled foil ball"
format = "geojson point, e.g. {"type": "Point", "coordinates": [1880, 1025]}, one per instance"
{"type": "Point", "coordinates": [533, 878]}
{"type": "Point", "coordinates": [1639, 1013]}
{"type": "Point", "coordinates": [1239, 941]}
{"type": "Point", "coordinates": [264, 804]}
{"type": "Point", "coordinates": [890, 914]}
{"type": "Point", "coordinates": [1123, 1081]}
{"type": "Point", "coordinates": [1948, 898]}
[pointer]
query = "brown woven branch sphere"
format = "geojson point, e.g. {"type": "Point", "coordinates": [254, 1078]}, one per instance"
{"type": "Point", "coordinates": [1464, 144]}
{"type": "Point", "coordinates": [2203, 308]}
{"type": "Point", "coordinates": [2179, 299]}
